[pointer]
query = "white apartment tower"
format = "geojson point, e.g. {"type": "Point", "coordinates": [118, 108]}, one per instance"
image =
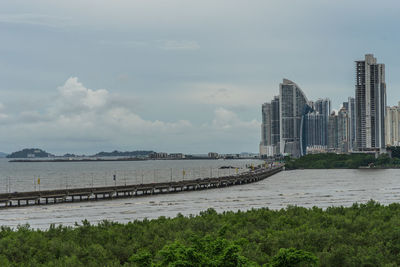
{"type": "Point", "coordinates": [392, 126]}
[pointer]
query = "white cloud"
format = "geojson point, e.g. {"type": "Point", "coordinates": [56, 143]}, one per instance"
{"type": "Point", "coordinates": [179, 45]}
{"type": "Point", "coordinates": [227, 95]}
{"type": "Point", "coordinates": [80, 114]}
{"type": "Point", "coordinates": [74, 95]}
{"type": "Point", "coordinates": [226, 119]}
{"type": "Point", "coordinates": [123, 43]}
{"type": "Point", "coordinates": [3, 116]}
{"type": "Point", "coordinates": [85, 120]}
{"type": "Point", "coordinates": [35, 19]}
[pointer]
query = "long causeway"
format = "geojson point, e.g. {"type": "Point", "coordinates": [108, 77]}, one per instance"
{"type": "Point", "coordinates": [18, 199]}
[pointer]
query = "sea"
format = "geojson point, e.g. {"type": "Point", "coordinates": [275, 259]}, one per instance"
{"type": "Point", "coordinates": [306, 188]}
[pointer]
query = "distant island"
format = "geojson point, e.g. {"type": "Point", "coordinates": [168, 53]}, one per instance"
{"type": "Point", "coordinates": [30, 153]}
{"type": "Point", "coordinates": [40, 155]}
{"type": "Point", "coordinates": [3, 155]}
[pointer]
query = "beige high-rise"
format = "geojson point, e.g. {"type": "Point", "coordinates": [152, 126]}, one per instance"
{"type": "Point", "coordinates": [392, 133]}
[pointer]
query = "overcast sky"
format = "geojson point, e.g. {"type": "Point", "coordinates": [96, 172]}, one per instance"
{"type": "Point", "coordinates": [176, 75]}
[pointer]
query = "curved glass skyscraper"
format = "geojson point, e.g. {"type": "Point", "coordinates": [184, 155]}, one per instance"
{"type": "Point", "coordinates": [293, 106]}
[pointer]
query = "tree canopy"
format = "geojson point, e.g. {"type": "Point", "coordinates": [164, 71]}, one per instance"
{"type": "Point", "coordinates": [360, 235]}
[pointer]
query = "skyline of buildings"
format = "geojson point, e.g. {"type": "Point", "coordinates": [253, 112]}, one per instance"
{"type": "Point", "coordinates": [312, 127]}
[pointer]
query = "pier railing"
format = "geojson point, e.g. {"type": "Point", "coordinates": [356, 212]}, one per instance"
{"type": "Point", "coordinates": [55, 196]}
{"type": "Point", "coordinates": [69, 178]}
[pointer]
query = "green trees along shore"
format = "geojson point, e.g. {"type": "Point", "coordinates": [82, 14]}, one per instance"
{"type": "Point", "coordinates": [341, 161]}
{"type": "Point", "coordinates": [360, 235]}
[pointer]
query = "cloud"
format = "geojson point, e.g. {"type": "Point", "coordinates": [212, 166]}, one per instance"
{"type": "Point", "coordinates": [227, 120]}
{"type": "Point", "coordinates": [124, 43]}
{"type": "Point", "coordinates": [227, 95]}
{"type": "Point", "coordinates": [73, 95]}
{"type": "Point", "coordinates": [3, 116]}
{"type": "Point", "coordinates": [82, 115]}
{"type": "Point", "coordinates": [84, 120]}
{"type": "Point", "coordinates": [179, 45]}
{"type": "Point", "coordinates": [35, 19]}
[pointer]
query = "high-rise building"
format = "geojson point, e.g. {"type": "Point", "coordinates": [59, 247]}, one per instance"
{"type": "Point", "coordinates": [323, 107]}
{"type": "Point", "coordinates": [370, 104]}
{"type": "Point", "coordinates": [392, 124]}
{"type": "Point", "coordinates": [333, 141]}
{"type": "Point", "coordinates": [338, 131]}
{"type": "Point", "coordinates": [346, 105]}
{"type": "Point", "coordinates": [313, 127]}
{"type": "Point", "coordinates": [293, 105]}
{"type": "Point", "coordinates": [275, 128]}
{"type": "Point", "coordinates": [266, 124]}
{"type": "Point", "coordinates": [270, 128]}
{"type": "Point", "coordinates": [343, 130]}
{"type": "Point", "coordinates": [352, 123]}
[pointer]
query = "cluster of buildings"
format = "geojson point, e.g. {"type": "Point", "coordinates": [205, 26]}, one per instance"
{"type": "Point", "coordinates": [210, 155]}
{"type": "Point", "coordinates": [294, 125]}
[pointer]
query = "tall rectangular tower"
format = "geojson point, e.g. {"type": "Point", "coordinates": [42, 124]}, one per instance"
{"type": "Point", "coordinates": [370, 104]}
{"type": "Point", "coordinates": [352, 123]}
{"type": "Point", "coordinates": [266, 124]}
{"type": "Point", "coordinates": [323, 107]}
{"type": "Point", "coordinates": [270, 129]}
{"type": "Point", "coordinates": [275, 128]}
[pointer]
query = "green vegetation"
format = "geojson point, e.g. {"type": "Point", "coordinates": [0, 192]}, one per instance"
{"type": "Point", "coordinates": [30, 152]}
{"type": "Point", "coordinates": [341, 161]}
{"type": "Point", "coordinates": [360, 235]}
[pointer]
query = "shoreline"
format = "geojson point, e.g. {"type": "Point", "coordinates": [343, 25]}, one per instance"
{"type": "Point", "coordinates": [111, 159]}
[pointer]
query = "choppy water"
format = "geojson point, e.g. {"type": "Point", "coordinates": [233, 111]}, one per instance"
{"type": "Point", "coordinates": [322, 188]}
{"type": "Point", "coordinates": [18, 177]}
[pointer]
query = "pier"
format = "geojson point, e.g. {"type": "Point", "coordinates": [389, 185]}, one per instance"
{"type": "Point", "coordinates": [44, 197]}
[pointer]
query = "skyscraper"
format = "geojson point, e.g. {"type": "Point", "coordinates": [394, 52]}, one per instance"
{"type": "Point", "coordinates": [392, 126]}
{"type": "Point", "coordinates": [313, 127]}
{"type": "Point", "coordinates": [323, 107]}
{"type": "Point", "coordinates": [275, 128]}
{"type": "Point", "coordinates": [352, 123]}
{"type": "Point", "coordinates": [343, 130]}
{"type": "Point", "coordinates": [370, 104]}
{"type": "Point", "coordinates": [333, 138]}
{"type": "Point", "coordinates": [266, 124]}
{"type": "Point", "coordinates": [270, 128]}
{"type": "Point", "coordinates": [293, 105]}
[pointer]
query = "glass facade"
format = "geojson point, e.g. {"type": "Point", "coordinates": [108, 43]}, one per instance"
{"type": "Point", "coordinates": [293, 105]}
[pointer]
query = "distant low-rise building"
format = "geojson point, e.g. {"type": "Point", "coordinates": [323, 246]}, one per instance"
{"type": "Point", "coordinates": [213, 155]}
{"type": "Point", "coordinates": [158, 155]}
{"type": "Point", "coordinates": [176, 156]}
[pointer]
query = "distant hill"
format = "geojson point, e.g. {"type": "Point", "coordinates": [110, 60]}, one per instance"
{"type": "Point", "coordinates": [30, 153]}
{"type": "Point", "coordinates": [115, 153]}
{"type": "Point", "coordinates": [2, 155]}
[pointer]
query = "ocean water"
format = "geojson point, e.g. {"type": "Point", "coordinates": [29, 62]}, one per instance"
{"type": "Point", "coordinates": [19, 177]}
{"type": "Point", "coordinates": [308, 188]}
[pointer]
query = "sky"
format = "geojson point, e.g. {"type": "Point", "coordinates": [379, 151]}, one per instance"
{"type": "Point", "coordinates": [83, 76]}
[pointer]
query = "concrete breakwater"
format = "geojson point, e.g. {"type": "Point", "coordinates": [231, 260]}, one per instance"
{"type": "Point", "coordinates": [17, 199]}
